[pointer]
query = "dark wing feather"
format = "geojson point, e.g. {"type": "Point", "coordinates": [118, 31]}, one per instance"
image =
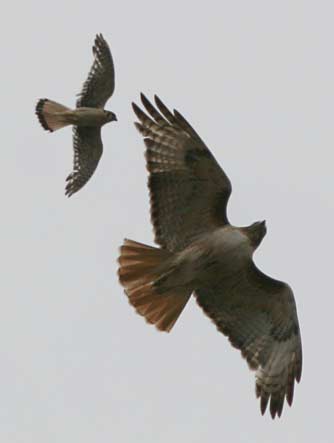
{"type": "Point", "coordinates": [88, 148]}
{"type": "Point", "coordinates": [100, 84]}
{"type": "Point", "coordinates": [188, 189]}
{"type": "Point", "coordinates": [259, 316]}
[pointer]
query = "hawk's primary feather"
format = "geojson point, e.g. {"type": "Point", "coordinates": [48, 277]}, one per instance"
{"type": "Point", "coordinates": [189, 190]}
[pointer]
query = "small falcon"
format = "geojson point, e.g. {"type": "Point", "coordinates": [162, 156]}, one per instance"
{"type": "Point", "coordinates": [88, 117]}
{"type": "Point", "coordinates": [203, 254]}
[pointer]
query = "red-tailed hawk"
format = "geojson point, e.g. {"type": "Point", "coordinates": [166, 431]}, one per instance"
{"type": "Point", "coordinates": [203, 254]}
{"type": "Point", "coordinates": [88, 117]}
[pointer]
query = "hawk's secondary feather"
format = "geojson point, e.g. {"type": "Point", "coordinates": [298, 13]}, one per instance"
{"type": "Point", "coordinates": [189, 191]}
{"type": "Point", "coordinates": [259, 316]}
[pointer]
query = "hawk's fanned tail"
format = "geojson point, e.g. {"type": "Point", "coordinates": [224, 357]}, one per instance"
{"type": "Point", "coordinates": [52, 115]}
{"type": "Point", "coordinates": [143, 270]}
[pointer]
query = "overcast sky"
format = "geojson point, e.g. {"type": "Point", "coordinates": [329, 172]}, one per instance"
{"type": "Point", "coordinates": [256, 80]}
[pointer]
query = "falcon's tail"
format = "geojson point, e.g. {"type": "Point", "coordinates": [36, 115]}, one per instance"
{"type": "Point", "coordinates": [52, 115]}
{"type": "Point", "coordinates": [146, 274]}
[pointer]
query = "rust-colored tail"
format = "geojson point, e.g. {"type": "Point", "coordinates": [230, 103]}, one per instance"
{"type": "Point", "coordinates": [51, 115]}
{"type": "Point", "coordinates": [141, 272]}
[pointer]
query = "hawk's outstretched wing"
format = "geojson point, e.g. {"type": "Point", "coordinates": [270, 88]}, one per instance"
{"type": "Point", "coordinates": [100, 84]}
{"type": "Point", "coordinates": [259, 316]}
{"type": "Point", "coordinates": [88, 149]}
{"type": "Point", "coordinates": [188, 189]}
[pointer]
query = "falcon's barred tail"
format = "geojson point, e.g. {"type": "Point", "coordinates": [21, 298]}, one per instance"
{"type": "Point", "coordinates": [144, 272]}
{"type": "Point", "coordinates": [52, 115]}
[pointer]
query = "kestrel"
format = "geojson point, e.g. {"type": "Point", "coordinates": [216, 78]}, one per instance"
{"type": "Point", "coordinates": [88, 117]}
{"type": "Point", "coordinates": [201, 253]}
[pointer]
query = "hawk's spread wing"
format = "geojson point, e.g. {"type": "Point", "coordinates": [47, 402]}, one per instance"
{"type": "Point", "coordinates": [188, 189]}
{"type": "Point", "coordinates": [88, 149]}
{"type": "Point", "coordinates": [100, 84]}
{"type": "Point", "coordinates": [259, 316]}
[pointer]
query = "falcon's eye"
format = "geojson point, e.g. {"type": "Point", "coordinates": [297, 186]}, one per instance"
{"type": "Point", "coordinates": [110, 116]}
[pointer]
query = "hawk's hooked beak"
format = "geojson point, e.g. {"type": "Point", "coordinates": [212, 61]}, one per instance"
{"type": "Point", "coordinates": [256, 232]}
{"type": "Point", "coordinates": [263, 227]}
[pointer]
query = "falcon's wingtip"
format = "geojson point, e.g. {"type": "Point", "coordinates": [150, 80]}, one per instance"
{"type": "Point", "coordinates": [99, 38]}
{"type": "Point", "coordinates": [99, 43]}
{"type": "Point", "coordinates": [68, 191]}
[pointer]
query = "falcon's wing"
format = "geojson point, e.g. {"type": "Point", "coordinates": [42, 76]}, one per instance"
{"type": "Point", "coordinates": [259, 316]}
{"type": "Point", "coordinates": [100, 84]}
{"type": "Point", "coordinates": [88, 149]}
{"type": "Point", "coordinates": [188, 189]}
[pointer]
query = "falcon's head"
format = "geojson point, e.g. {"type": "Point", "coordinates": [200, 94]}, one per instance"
{"type": "Point", "coordinates": [256, 232]}
{"type": "Point", "coordinates": [110, 116]}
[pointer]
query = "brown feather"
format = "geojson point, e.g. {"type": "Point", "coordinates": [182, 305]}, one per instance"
{"type": "Point", "coordinates": [177, 158]}
{"type": "Point", "coordinates": [52, 115]}
{"type": "Point", "coordinates": [141, 269]}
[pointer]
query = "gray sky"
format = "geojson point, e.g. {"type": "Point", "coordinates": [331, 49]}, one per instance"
{"type": "Point", "coordinates": [256, 80]}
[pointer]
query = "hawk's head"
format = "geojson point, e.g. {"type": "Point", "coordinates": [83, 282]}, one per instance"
{"type": "Point", "coordinates": [256, 232]}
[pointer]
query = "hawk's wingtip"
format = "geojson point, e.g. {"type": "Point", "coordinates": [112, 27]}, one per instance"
{"type": "Point", "coordinates": [144, 99]}
{"type": "Point", "coordinates": [135, 108]}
